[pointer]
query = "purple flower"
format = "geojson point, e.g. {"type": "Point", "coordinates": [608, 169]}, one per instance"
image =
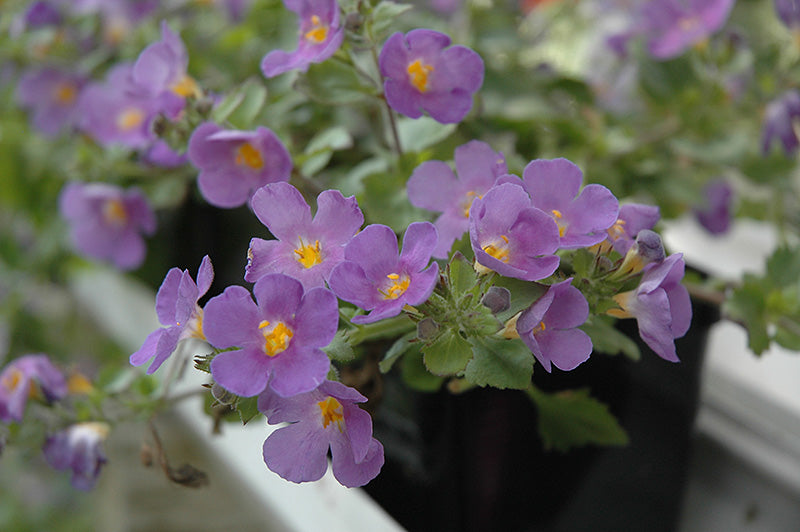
{"type": "Point", "coordinates": [278, 340]}
{"type": "Point", "coordinates": [41, 13]}
{"type": "Point", "coordinates": [582, 216]}
{"type": "Point", "coordinates": [320, 37]}
{"type": "Point", "coordinates": [107, 222]}
{"type": "Point", "coordinates": [632, 218]}
{"type": "Point", "coordinates": [548, 327]}
{"type": "Point", "coordinates": [306, 249]}
{"type": "Point", "coordinates": [52, 95]}
{"type": "Point", "coordinates": [79, 447]}
{"type": "Point", "coordinates": [321, 419]}
{"type": "Point", "coordinates": [788, 12]}
{"type": "Point", "coordinates": [672, 26]}
{"type": "Point", "coordinates": [234, 164]}
{"type": "Point", "coordinates": [510, 236]}
{"type": "Point", "coordinates": [434, 186]}
{"type": "Point", "coordinates": [715, 213]}
{"type": "Point", "coordinates": [25, 377]}
{"type": "Point", "coordinates": [424, 73]}
{"type": "Point", "coordinates": [162, 67]}
{"type": "Point", "coordinates": [779, 119]}
{"type": "Point", "coordinates": [660, 304]}
{"type": "Point", "coordinates": [161, 154]}
{"type": "Point", "coordinates": [177, 309]}
{"type": "Point", "coordinates": [376, 278]}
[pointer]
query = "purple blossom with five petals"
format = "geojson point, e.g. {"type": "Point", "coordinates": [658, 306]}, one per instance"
{"type": "Point", "coordinates": [715, 213]}
{"type": "Point", "coordinates": [582, 216]}
{"type": "Point", "coordinates": [320, 36]}
{"type": "Point", "coordinates": [79, 447]}
{"type": "Point", "coordinates": [424, 73]}
{"type": "Point", "coordinates": [672, 26]}
{"type": "Point", "coordinates": [162, 67]}
{"type": "Point", "coordinates": [327, 417]}
{"type": "Point", "coordinates": [306, 249]}
{"type": "Point", "coordinates": [52, 95]}
{"type": "Point", "coordinates": [375, 277]}
{"type": "Point", "coordinates": [660, 304]}
{"type": "Point", "coordinates": [632, 218]}
{"type": "Point", "coordinates": [434, 186]}
{"type": "Point", "coordinates": [788, 12]}
{"type": "Point", "coordinates": [512, 237]}
{"type": "Point", "coordinates": [178, 311]}
{"type": "Point", "coordinates": [25, 377]}
{"type": "Point", "coordinates": [107, 222]}
{"type": "Point", "coordinates": [548, 327]}
{"type": "Point", "coordinates": [234, 164]}
{"type": "Point", "coordinates": [278, 340]}
{"type": "Point", "coordinates": [779, 119]}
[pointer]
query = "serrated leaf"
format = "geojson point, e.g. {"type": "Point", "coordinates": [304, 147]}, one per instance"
{"type": "Point", "coordinates": [339, 348]}
{"type": "Point", "coordinates": [606, 339]}
{"type": "Point", "coordinates": [500, 363]}
{"type": "Point", "coordinates": [247, 408]}
{"type": "Point", "coordinates": [253, 100]}
{"type": "Point", "coordinates": [582, 260]}
{"type": "Point", "coordinates": [399, 347]}
{"type": "Point", "coordinates": [461, 275]}
{"type": "Point", "coordinates": [415, 375]}
{"type": "Point", "coordinates": [574, 419]}
{"type": "Point", "coordinates": [448, 354]}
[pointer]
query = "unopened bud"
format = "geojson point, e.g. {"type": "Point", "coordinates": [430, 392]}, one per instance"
{"type": "Point", "coordinates": [647, 248]}
{"type": "Point", "coordinates": [427, 329]}
{"type": "Point", "coordinates": [497, 298]}
{"type": "Point", "coordinates": [222, 395]}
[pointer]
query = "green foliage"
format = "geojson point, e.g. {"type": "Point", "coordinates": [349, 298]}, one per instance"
{"type": "Point", "coordinates": [448, 354]}
{"type": "Point", "coordinates": [606, 339]}
{"type": "Point", "coordinates": [500, 363]}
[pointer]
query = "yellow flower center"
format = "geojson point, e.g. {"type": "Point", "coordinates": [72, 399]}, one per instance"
{"type": "Point", "coordinates": [318, 32]}
{"type": "Point", "coordinates": [418, 73]}
{"type": "Point", "coordinates": [185, 87]}
{"type": "Point", "coordinates": [78, 384]}
{"type": "Point", "coordinates": [276, 338]}
{"type": "Point", "coordinates": [561, 227]}
{"type": "Point", "coordinates": [308, 255]}
{"type": "Point", "coordinates": [498, 249]}
{"type": "Point", "coordinates": [10, 382]}
{"type": "Point", "coordinates": [467, 203]}
{"type": "Point", "coordinates": [331, 411]}
{"type": "Point", "coordinates": [396, 287]}
{"type": "Point", "coordinates": [114, 212]}
{"type": "Point", "coordinates": [617, 230]}
{"type": "Point", "coordinates": [539, 328]}
{"type": "Point", "coordinates": [130, 118]}
{"type": "Point", "coordinates": [247, 154]}
{"type": "Point", "coordinates": [65, 93]}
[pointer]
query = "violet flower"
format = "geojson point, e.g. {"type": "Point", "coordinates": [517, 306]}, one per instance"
{"type": "Point", "coordinates": [78, 448]}
{"type": "Point", "coordinates": [320, 37]}
{"type": "Point", "coordinates": [549, 327]}
{"type": "Point", "coordinates": [582, 216]}
{"type": "Point", "coordinates": [434, 186]}
{"type": "Point", "coordinates": [376, 278]}
{"type": "Point", "coordinates": [162, 67]}
{"type": "Point", "coordinates": [42, 13]}
{"type": "Point", "coordinates": [107, 222]}
{"type": "Point", "coordinates": [510, 236]}
{"type": "Point", "coordinates": [779, 119]}
{"type": "Point", "coordinates": [788, 12]}
{"type": "Point", "coordinates": [278, 340]}
{"type": "Point", "coordinates": [715, 212]}
{"type": "Point", "coordinates": [25, 377]}
{"type": "Point", "coordinates": [234, 164]}
{"type": "Point", "coordinates": [660, 304]}
{"type": "Point", "coordinates": [306, 249]}
{"type": "Point", "coordinates": [325, 418]}
{"type": "Point", "coordinates": [673, 26]}
{"type": "Point", "coordinates": [177, 310]}
{"type": "Point", "coordinates": [52, 95]}
{"type": "Point", "coordinates": [424, 73]}
{"type": "Point", "coordinates": [632, 218]}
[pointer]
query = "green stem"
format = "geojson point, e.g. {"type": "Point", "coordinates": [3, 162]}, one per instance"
{"type": "Point", "coordinates": [392, 122]}
{"type": "Point", "coordinates": [391, 327]}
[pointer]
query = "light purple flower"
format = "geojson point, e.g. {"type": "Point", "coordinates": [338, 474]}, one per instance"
{"type": "Point", "coordinates": [306, 249]}
{"type": "Point", "coordinates": [660, 304]}
{"type": "Point", "coordinates": [107, 222]}
{"type": "Point", "coordinates": [510, 236]}
{"type": "Point", "coordinates": [673, 26]}
{"type": "Point", "coordinates": [375, 277]}
{"type": "Point", "coordinates": [434, 186]}
{"type": "Point", "coordinates": [548, 327]}
{"type": "Point", "coordinates": [779, 119]}
{"type": "Point", "coordinates": [161, 154]}
{"type": "Point", "coordinates": [162, 67]}
{"type": "Point", "coordinates": [582, 216]}
{"type": "Point", "coordinates": [424, 73]}
{"type": "Point", "coordinates": [788, 12]}
{"type": "Point", "coordinates": [52, 95]}
{"type": "Point", "coordinates": [41, 13]}
{"type": "Point", "coordinates": [715, 212]}
{"type": "Point", "coordinates": [278, 340]}
{"type": "Point", "coordinates": [25, 377]}
{"type": "Point", "coordinates": [234, 164]}
{"type": "Point", "coordinates": [78, 448]}
{"type": "Point", "coordinates": [320, 37]}
{"type": "Point", "coordinates": [177, 309]}
{"type": "Point", "coordinates": [632, 218]}
{"type": "Point", "coordinates": [321, 419]}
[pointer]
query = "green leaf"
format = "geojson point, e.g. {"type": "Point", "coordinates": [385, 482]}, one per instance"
{"type": "Point", "coordinates": [399, 347]}
{"type": "Point", "coordinates": [606, 339]}
{"type": "Point", "coordinates": [523, 294]}
{"type": "Point", "coordinates": [415, 375]}
{"type": "Point", "coordinates": [247, 407]}
{"type": "Point", "coordinates": [747, 305]}
{"type": "Point", "coordinates": [582, 260]}
{"type": "Point", "coordinates": [572, 418]}
{"type": "Point", "coordinates": [418, 134]}
{"type": "Point", "coordinates": [461, 275]}
{"type": "Point", "coordinates": [384, 16]}
{"type": "Point", "coordinates": [500, 363]}
{"type": "Point", "coordinates": [334, 83]}
{"type": "Point", "coordinates": [783, 267]}
{"type": "Point", "coordinates": [320, 149]}
{"type": "Point", "coordinates": [228, 105]}
{"type": "Point", "coordinates": [787, 339]}
{"type": "Point", "coordinates": [253, 100]}
{"type": "Point", "coordinates": [340, 348]}
{"type": "Point", "coordinates": [448, 354]}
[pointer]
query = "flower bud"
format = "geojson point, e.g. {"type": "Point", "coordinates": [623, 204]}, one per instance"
{"type": "Point", "coordinates": [497, 299]}
{"type": "Point", "coordinates": [427, 329]}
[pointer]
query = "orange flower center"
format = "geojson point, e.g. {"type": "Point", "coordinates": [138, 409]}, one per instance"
{"type": "Point", "coordinates": [130, 118]}
{"type": "Point", "coordinates": [318, 32]}
{"type": "Point", "coordinates": [114, 212]}
{"type": "Point", "coordinates": [276, 338]}
{"type": "Point", "coordinates": [498, 249]}
{"type": "Point", "coordinates": [331, 411]}
{"type": "Point", "coordinates": [308, 255]}
{"type": "Point", "coordinates": [418, 73]}
{"type": "Point", "coordinates": [396, 286]}
{"type": "Point", "coordinates": [248, 155]}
